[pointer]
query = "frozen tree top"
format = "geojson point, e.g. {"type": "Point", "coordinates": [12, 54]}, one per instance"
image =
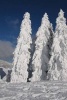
{"type": "Point", "coordinates": [45, 20]}
{"type": "Point", "coordinates": [26, 24]}
{"type": "Point", "coordinates": [61, 13]}
{"type": "Point", "coordinates": [45, 17]}
{"type": "Point", "coordinates": [26, 15]}
{"type": "Point", "coordinates": [61, 18]}
{"type": "Point", "coordinates": [45, 25]}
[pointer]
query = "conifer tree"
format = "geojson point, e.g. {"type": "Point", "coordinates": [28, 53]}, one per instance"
{"type": "Point", "coordinates": [40, 57]}
{"type": "Point", "coordinates": [22, 51]}
{"type": "Point", "coordinates": [58, 61]}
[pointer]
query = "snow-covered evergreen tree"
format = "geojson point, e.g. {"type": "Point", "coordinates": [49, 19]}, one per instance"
{"type": "Point", "coordinates": [40, 57]}
{"type": "Point", "coordinates": [22, 52]}
{"type": "Point", "coordinates": [58, 61]}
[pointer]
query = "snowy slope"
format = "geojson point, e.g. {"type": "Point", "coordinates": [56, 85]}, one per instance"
{"type": "Point", "coordinates": [4, 68]}
{"type": "Point", "coordinates": [5, 64]}
{"type": "Point", "coordinates": [34, 91]}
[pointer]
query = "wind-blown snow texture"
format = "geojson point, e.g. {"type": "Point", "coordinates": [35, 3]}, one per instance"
{"type": "Point", "coordinates": [58, 61]}
{"type": "Point", "coordinates": [40, 58]}
{"type": "Point", "coordinates": [33, 91]}
{"type": "Point", "coordinates": [22, 53]}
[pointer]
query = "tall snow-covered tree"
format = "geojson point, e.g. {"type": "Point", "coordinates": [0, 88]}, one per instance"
{"type": "Point", "coordinates": [22, 51]}
{"type": "Point", "coordinates": [58, 61]}
{"type": "Point", "coordinates": [40, 57]}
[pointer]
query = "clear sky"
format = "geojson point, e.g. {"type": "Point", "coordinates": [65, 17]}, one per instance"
{"type": "Point", "coordinates": [11, 15]}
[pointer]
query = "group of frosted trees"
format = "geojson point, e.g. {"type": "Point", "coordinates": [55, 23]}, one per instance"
{"type": "Point", "coordinates": [49, 59]}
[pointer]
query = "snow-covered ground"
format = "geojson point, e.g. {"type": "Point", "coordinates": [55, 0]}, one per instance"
{"type": "Point", "coordinates": [33, 91]}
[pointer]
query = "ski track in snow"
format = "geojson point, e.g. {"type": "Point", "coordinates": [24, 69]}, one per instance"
{"type": "Point", "coordinates": [34, 91]}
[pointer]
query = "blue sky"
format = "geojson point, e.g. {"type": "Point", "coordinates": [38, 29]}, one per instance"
{"type": "Point", "coordinates": [11, 15]}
